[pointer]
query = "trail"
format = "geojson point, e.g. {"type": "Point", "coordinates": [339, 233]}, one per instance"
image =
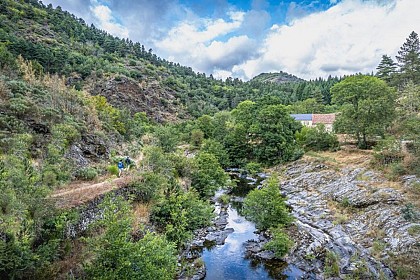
{"type": "Point", "coordinates": [79, 192]}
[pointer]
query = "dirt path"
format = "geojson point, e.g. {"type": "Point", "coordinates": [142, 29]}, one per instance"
{"type": "Point", "coordinates": [80, 192]}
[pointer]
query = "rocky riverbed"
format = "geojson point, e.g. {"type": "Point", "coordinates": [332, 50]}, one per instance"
{"type": "Point", "coordinates": [349, 221]}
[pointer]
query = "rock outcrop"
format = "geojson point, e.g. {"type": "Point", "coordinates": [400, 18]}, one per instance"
{"type": "Point", "coordinates": [351, 214]}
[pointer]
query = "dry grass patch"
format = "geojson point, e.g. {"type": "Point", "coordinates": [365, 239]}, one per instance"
{"type": "Point", "coordinates": [141, 212]}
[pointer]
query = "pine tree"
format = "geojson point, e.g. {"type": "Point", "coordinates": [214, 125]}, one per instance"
{"type": "Point", "coordinates": [386, 69]}
{"type": "Point", "coordinates": [409, 59]}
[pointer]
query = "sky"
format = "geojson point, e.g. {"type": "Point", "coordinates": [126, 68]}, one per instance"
{"type": "Point", "coordinates": [241, 39]}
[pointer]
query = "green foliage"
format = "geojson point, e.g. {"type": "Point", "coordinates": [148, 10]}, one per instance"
{"type": "Point", "coordinates": [110, 116]}
{"type": "Point", "coordinates": [208, 175]}
{"type": "Point", "coordinates": [179, 213]}
{"type": "Point", "coordinates": [24, 208]}
{"type": "Point", "coordinates": [266, 207]}
{"type": "Point", "coordinates": [217, 149]}
{"type": "Point", "coordinates": [87, 173]}
{"type": "Point", "coordinates": [253, 168]}
{"type": "Point", "coordinates": [118, 256]}
{"type": "Point", "coordinates": [167, 137]}
{"type": "Point", "coordinates": [197, 137]}
{"type": "Point", "coordinates": [156, 161]}
{"type": "Point", "coordinates": [224, 199]}
{"type": "Point", "coordinates": [368, 107]}
{"type": "Point", "coordinates": [410, 213]}
{"type": "Point", "coordinates": [113, 169]}
{"type": "Point", "coordinates": [317, 139]}
{"type": "Point", "coordinates": [414, 230]}
{"type": "Point", "coordinates": [273, 135]}
{"type": "Point", "coordinates": [331, 268]}
{"type": "Point", "coordinates": [280, 243]}
{"type": "Point", "coordinates": [149, 185]}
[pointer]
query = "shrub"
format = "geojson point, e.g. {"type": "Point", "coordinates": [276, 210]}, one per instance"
{"type": "Point", "coordinates": [49, 178]}
{"type": "Point", "coordinates": [317, 139]}
{"type": "Point", "coordinates": [266, 207]}
{"type": "Point", "coordinates": [197, 137]}
{"type": "Point", "coordinates": [149, 185]}
{"type": "Point", "coordinates": [208, 175]}
{"type": "Point", "coordinates": [116, 255]}
{"type": "Point", "coordinates": [253, 168]}
{"type": "Point", "coordinates": [331, 268]}
{"type": "Point", "coordinates": [218, 150]}
{"type": "Point", "coordinates": [224, 199]}
{"type": "Point", "coordinates": [178, 214]}
{"type": "Point", "coordinates": [113, 169]}
{"type": "Point", "coordinates": [87, 173]}
{"type": "Point", "coordinates": [280, 244]}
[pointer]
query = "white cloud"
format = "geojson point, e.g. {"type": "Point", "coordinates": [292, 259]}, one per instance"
{"type": "Point", "coordinates": [349, 37]}
{"type": "Point", "coordinates": [201, 44]}
{"type": "Point", "coordinates": [107, 21]}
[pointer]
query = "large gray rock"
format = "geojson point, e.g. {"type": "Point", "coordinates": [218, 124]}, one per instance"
{"type": "Point", "coordinates": [344, 211]}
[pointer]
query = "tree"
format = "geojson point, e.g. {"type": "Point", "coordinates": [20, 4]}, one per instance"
{"type": "Point", "coordinates": [272, 135]}
{"type": "Point", "coordinates": [386, 69]}
{"type": "Point", "coordinates": [266, 207]}
{"type": "Point", "coordinates": [178, 214]}
{"type": "Point", "coordinates": [368, 107]}
{"type": "Point", "coordinates": [118, 256]}
{"type": "Point", "coordinates": [409, 58]}
{"type": "Point", "coordinates": [216, 148]}
{"type": "Point", "coordinates": [208, 176]}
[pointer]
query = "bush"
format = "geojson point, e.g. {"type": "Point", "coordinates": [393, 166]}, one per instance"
{"type": "Point", "coordinates": [253, 168]}
{"type": "Point", "coordinates": [116, 255]}
{"type": "Point", "coordinates": [178, 214]}
{"type": "Point", "coordinates": [266, 207]}
{"type": "Point", "coordinates": [317, 139]}
{"type": "Point", "coordinates": [87, 173]}
{"type": "Point", "coordinates": [218, 150]}
{"type": "Point", "coordinates": [208, 175]}
{"type": "Point", "coordinates": [331, 268]}
{"type": "Point", "coordinates": [197, 137]}
{"type": "Point", "coordinates": [280, 244]}
{"type": "Point", "coordinates": [149, 185]}
{"type": "Point", "coordinates": [113, 169]}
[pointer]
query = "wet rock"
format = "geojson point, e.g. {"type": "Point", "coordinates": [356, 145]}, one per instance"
{"type": "Point", "coordinates": [218, 237]}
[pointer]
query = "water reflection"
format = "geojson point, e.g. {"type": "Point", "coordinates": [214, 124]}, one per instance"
{"type": "Point", "coordinates": [224, 262]}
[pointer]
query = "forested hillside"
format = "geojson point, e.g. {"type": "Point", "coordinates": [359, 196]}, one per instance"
{"type": "Point", "coordinates": [74, 101]}
{"type": "Point", "coordinates": [125, 72]}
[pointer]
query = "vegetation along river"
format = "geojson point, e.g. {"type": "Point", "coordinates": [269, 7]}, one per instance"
{"type": "Point", "coordinates": [230, 260]}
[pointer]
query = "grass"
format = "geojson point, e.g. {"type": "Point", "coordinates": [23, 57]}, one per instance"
{"type": "Point", "coordinates": [331, 268]}
{"type": "Point", "coordinates": [224, 199]}
{"type": "Point", "coordinates": [141, 213]}
{"type": "Point", "coordinates": [414, 230]}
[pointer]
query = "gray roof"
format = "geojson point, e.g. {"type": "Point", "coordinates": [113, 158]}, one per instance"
{"type": "Point", "coordinates": [302, 117]}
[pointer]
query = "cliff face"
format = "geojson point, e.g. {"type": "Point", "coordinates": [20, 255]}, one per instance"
{"type": "Point", "coordinates": [350, 218]}
{"type": "Point", "coordinates": [146, 96]}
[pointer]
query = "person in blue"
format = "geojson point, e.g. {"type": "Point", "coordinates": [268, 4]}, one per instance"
{"type": "Point", "coordinates": [120, 168]}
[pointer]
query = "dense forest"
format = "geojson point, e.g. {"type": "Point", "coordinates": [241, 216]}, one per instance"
{"type": "Point", "coordinates": [59, 124]}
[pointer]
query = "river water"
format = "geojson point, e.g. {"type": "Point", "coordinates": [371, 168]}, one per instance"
{"type": "Point", "coordinates": [228, 261]}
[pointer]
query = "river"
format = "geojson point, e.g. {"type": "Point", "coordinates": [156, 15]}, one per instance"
{"type": "Point", "coordinates": [229, 261]}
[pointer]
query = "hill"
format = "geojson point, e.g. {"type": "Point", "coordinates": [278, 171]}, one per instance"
{"type": "Point", "coordinates": [126, 73]}
{"type": "Point", "coordinates": [278, 78]}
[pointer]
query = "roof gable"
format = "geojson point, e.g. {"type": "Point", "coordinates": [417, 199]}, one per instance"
{"type": "Point", "coordinates": [323, 118]}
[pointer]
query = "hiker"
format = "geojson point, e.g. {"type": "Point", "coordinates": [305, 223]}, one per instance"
{"type": "Point", "coordinates": [120, 168]}
{"type": "Point", "coordinates": [128, 162]}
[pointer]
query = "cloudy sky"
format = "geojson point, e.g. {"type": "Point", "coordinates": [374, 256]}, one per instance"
{"type": "Point", "coordinates": [241, 39]}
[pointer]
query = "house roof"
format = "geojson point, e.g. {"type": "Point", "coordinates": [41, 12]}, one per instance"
{"type": "Point", "coordinates": [323, 118]}
{"type": "Point", "coordinates": [302, 117]}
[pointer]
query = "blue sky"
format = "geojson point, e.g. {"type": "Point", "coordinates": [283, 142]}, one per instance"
{"type": "Point", "coordinates": [241, 39]}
